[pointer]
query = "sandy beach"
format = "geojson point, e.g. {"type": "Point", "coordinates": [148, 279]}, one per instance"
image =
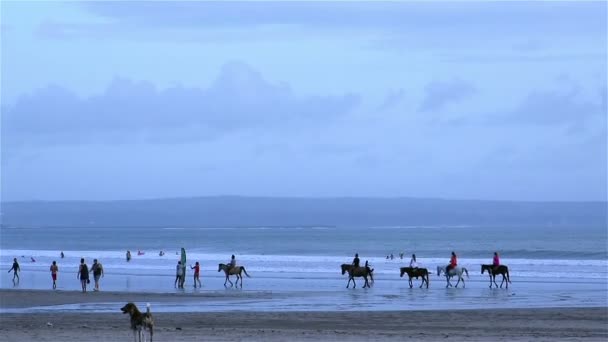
{"type": "Point", "coordinates": [567, 324]}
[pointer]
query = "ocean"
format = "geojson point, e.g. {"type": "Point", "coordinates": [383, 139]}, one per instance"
{"type": "Point", "coordinates": [298, 268]}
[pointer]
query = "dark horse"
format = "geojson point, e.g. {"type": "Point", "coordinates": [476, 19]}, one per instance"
{"type": "Point", "coordinates": [415, 273]}
{"type": "Point", "coordinates": [501, 269]}
{"type": "Point", "coordinates": [357, 272]}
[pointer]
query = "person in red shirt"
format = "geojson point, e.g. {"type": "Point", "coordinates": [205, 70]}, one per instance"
{"type": "Point", "coordinates": [453, 263]}
{"type": "Point", "coordinates": [496, 261]}
{"type": "Point", "coordinates": [196, 269]}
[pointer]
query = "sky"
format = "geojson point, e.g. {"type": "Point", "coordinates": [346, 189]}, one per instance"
{"type": "Point", "coordinates": [121, 100]}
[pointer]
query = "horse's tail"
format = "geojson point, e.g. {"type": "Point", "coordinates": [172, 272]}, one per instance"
{"type": "Point", "coordinates": [508, 278]}
{"type": "Point", "coordinates": [465, 271]}
{"type": "Point", "coordinates": [371, 274]}
{"type": "Point", "coordinates": [247, 274]}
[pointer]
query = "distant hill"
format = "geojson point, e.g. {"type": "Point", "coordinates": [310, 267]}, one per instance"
{"type": "Point", "coordinates": [222, 211]}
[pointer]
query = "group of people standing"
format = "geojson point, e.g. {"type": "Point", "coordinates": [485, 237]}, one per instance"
{"type": "Point", "coordinates": [83, 274]}
{"type": "Point", "coordinates": [180, 273]}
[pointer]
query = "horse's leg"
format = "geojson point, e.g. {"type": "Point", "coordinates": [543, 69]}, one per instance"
{"type": "Point", "coordinates": [459, 275]}
{"type": "Point", "coordinates": [447, 279]}
{"type": "Point", "coordinates": [490, 277]}
{"type": "Point", "coordinates": [366, 283]}
{"type": "Point", "coordinates": [230, 281]}
{"type": "Point", "coordinates": [411, 284]}
{"type": "Point", "coordinates": [347, 284]}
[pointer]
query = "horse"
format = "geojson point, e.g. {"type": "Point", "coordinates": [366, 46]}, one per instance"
{"type": "Point", "coordinates": [501, 269]}
{"type": "Point", "coordinates": [415, 273]}
{"type": "Point", "coordinates": [456, 271]}
{"type": "Point", "coordinates": [230, 271]}
{"type": "Point", "coordinates": [357, 272]}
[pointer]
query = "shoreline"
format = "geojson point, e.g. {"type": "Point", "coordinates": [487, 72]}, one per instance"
{"type": "Point", "coordinates": [78, 323]}
{"type": "Point", "coordinates": [562, 324]}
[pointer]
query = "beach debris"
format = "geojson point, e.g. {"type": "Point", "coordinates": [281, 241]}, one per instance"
{"type": "Point", "coordinates": [49, 324]}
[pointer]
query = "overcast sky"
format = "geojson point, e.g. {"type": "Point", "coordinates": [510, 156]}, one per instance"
{"type": "Point", "coordinates": [471, 100]}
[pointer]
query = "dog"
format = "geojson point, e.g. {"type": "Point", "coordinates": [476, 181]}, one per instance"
{"type": "Point", "coordinates": [139, 321]}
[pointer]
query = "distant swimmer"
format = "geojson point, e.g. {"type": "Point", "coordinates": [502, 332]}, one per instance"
{"type": "Point", "coordinates": [140, 253]}
{"type": "Point", "coordinates": [161, 253]}
{"type": "Point", "coordinates": [62, 255]}
{"type": "Point", "coordinates": [32, 259]}
{"type": "Point", "coordinates": [128, 256]}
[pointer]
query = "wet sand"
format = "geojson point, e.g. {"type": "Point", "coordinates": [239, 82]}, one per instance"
{"type": "Point", "coordinates": [564, 324]}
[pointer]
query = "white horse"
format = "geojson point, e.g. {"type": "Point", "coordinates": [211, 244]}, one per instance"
{"type": "Point", "coordinates": [456, 271]}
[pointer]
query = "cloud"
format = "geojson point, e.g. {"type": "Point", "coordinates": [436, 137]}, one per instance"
{"type": "Point", "coordinates": [566, 105]}
{"type": "Point", "coordinates": [439, 94]}
{"type": "Point", "coordinates": [452, 22]}
{"type": "Point", "coordinates": [130, 111]}
{"type": "Point", "coordinates": [563, 16]}
{"type": "Point", "coordinates": [394, 98]}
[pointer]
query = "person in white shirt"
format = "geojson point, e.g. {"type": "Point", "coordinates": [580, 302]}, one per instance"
{"type": "Point", "coordinates": [413, 262]}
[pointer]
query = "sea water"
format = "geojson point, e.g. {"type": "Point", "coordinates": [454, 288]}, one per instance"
{"type": "Point", "coordinates": [298, 268]}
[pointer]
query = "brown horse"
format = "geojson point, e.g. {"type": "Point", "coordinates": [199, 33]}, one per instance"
{"type": "Point", "coordinates": [357, 272]}
{"type": "Point", "coordinates": [415, 273]}
{"type": "Point", "coordinates": [233, 271]}
{"type": "Point", "coordinates": [501, 269]}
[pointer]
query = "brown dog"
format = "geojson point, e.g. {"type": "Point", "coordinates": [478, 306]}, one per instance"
{"type": "Point", "coordinates": [139, 321]}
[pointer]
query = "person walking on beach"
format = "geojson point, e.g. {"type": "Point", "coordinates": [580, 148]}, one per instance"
{"type": "Point", "coordinates": [196, 269]}
{"type": "Point", "coordinates": [83, 275]}
{"type": "Point", "coordinates": [413, 262]}
{"type": "Point", "coordinates": [16, 269]}
{"type": "Point", "coordinates": [128, 256]}
{"type": "Point", "coordinates": [495, 262]}
{"type": "Point", "coordinates": [178, 275]}
{"type": "Point", "coordinates": [54, 269]}
{"type": "Point", "coordinates": [356, 260]}
{"type": "Point", "coordinates": [453, 263]}
{"type": "Point", "coordinates": [97, 270]}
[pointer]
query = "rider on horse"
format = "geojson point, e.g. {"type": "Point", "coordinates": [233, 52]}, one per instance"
{"type": "Point", "coordinates": [413, 262]}
{"type": "Point", "coordinates": [232, 263]}
{"type": "Point", "coordinates": [453, 263]}
{"type": "Point", "coordinates": [495, 262]}
{"type": "Point", "coordinates": [356, 260]}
